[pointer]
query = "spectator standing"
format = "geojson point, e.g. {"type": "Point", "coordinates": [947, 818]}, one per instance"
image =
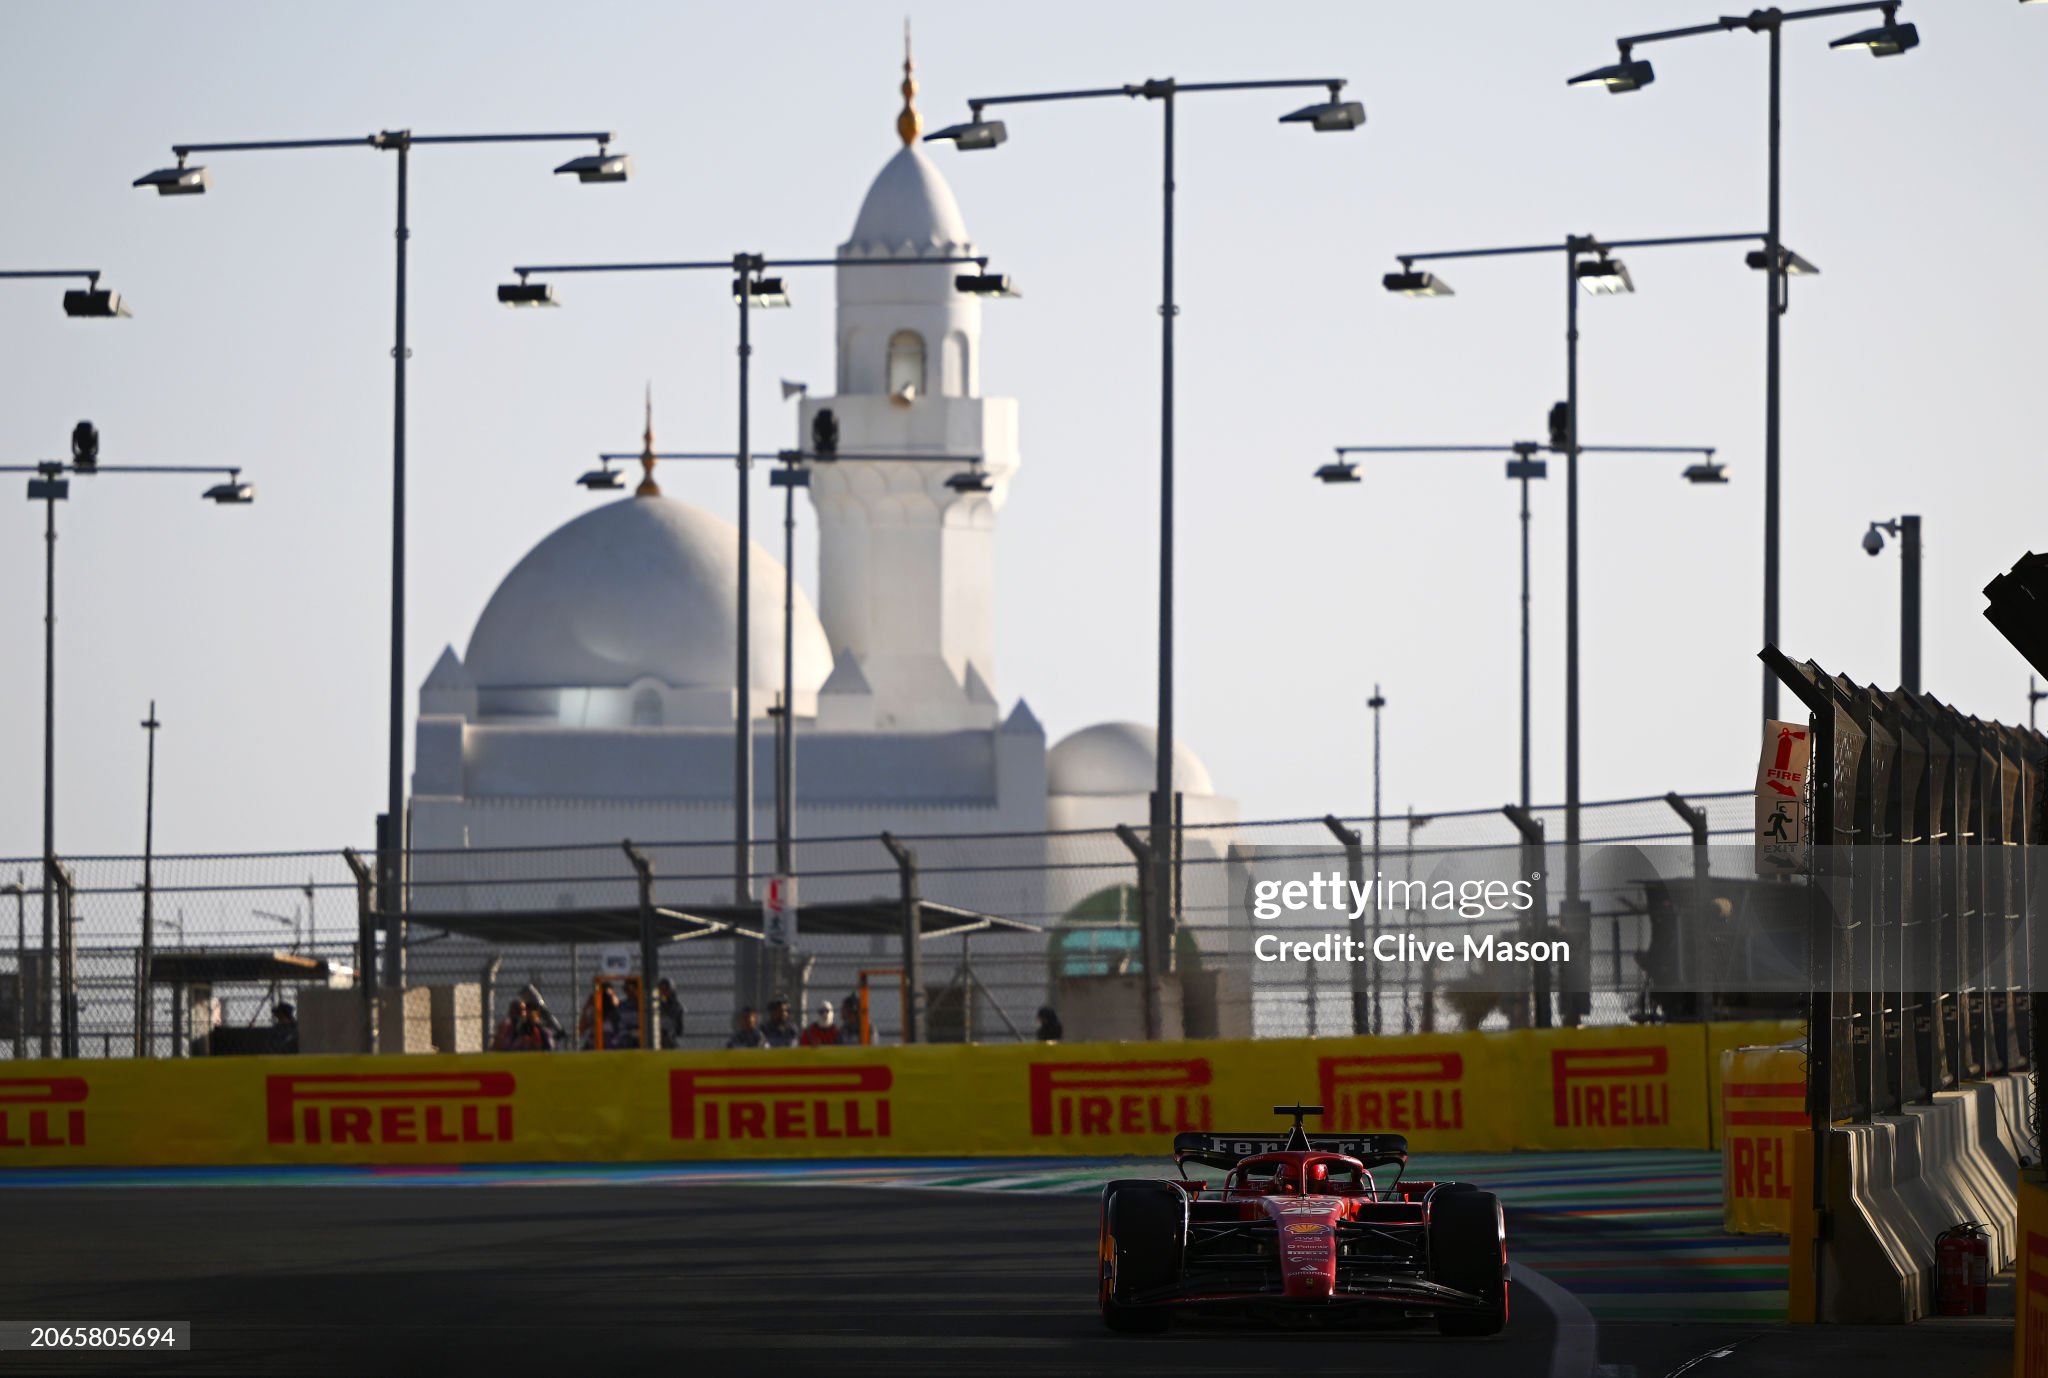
{"type": "Point", "coordinates": [284, 1023]}
{"type": "Point", "coordinates": [746, 1030]}
{"type": "Point", "coordinates": [669, 1011]}
{"type": "Point", "coordinates": [780, 1031]}
{"type": "Point", "coordinates": [519, 1031]}
{"type": "Point", "coordinates": [823, 1031]}
{"type": "Point", "coordinates": [851, 1031]}
{"type": "Point", "coordinates": [1049, 1028]}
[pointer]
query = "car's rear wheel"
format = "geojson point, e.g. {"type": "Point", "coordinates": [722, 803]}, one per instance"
{"type": "Point", "coordinates": [1141, 1249]}
{"type": "Point", "coordinates": [1468, 1251]}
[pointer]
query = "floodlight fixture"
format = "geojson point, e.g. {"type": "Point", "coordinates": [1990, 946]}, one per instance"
{"type": "Point", "coordinates": [977, 133]}
{"type": "Point", "coordinates": [970, 481]}
{"type": "Point", "coordinates": [1410, 283]}
{"type": "Point", "coordinates": [760, 292]}
{"type": "Point", "coordinates": [233, 493]}
{"type": "Point", "coordinates": [94, 303]}
{"type": "Point", "coordinates": [85, 447]}
{"type": "Point", "coordinates": [1343, 471]}
{"type": "Point", "coordinates": [524, 293]}
{"type": "Point", "coordinates": [1604, 276]}
{"type": "Point", "coordinates": [177, 181]}
{"type": "Point", "coordinates": [601, 478]}
{"type": "Point", "coordinates": [1888, 39]}
{"type": "Point", "coordinates": [986, 285]}
{"type": "Point", "coordinates": [1795, 266]}
{"type": "Point", "coordinates": [1629, 74]}
{"type": "Point", "coordinates": [1333, 116]}
{"type": "Point", "coordinates": [1706, 471]}
{"type": "Point", "coordinates": [600, 167]}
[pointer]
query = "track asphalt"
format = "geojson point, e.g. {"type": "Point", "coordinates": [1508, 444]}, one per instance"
{"type": "Point", "coordinates": [955, 1269]}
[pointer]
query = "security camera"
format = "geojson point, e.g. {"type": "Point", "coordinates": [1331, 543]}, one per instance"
{"type": "Point", "coordinates": [1873, 542]}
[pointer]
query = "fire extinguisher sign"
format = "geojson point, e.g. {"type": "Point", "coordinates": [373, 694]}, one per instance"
{"type": "Point", "coordinates": [1781, 798]}
{"type": "Point", "coordinates": [778, 912]}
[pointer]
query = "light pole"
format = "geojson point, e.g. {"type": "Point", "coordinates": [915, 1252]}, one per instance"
{"type": "Point", "coordinates": [1588, 264]}
{"type": "Point", "coordinates": [750, 288]}
{"type": "Point", "coordinates": [2034, 697]}
{"type": "Point", "coordinates": [793, 474]}
{"type": "Point", "coordinates": [1335, 115]}
{"type": "Point", "coordinates": [1907, 529]}
{"type": "Point", "coordinates": [145, 1011]}
{"type": "Point", "coordinates": [1376, 703]}
{"type": "Point", "coordinates": [1632, 74]}
{"type": "Point", "coordinates": [50, 487]}
{"type": "Point", "coordinates": [1522, 467]}
{"type": "Point", "coordinates": [19, 889]}
{"type": "Point", "coordinates": [181, 180]}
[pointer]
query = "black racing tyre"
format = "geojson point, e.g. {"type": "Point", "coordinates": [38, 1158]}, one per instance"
{"type": "Point", "coordinates": [1142, 1223]}
{"type": "Point", "coordinates": [1468, 1251]}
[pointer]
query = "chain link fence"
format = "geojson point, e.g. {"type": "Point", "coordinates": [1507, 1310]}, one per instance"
{"type": "Point", "coordinates": [1081, 894]}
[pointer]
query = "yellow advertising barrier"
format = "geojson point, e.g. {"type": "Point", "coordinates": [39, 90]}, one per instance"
{"type": "Point", "coordinates": [1561, 1088]}
{"type": "Point", "coordinates": [1763, 1095]}
{"type": "Point", "coordinates": [2030, 1281]}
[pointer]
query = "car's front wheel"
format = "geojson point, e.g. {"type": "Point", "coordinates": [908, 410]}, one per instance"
{"type": "Point", "coordinates": [1141, 1245]}
{"type": "Point", "coordinates": [1468, 1251]}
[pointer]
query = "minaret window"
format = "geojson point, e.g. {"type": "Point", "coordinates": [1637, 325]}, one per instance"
{"type": "Point", "coordinates": [647, 709]}
{"type": "Point", "coordinates": [906, 366]}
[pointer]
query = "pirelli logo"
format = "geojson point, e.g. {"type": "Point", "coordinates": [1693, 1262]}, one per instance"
{"type": "Point", "coordinates": [1393, 1092]}
{"type": "Point", "coordinates": [1612, 1088]}
{"type": "Point", "coordinates": [390, 1108]}
{"type": "Point", "coordinates": [780, 1103]}
{"type": "Point", "coordinates": [1072, 1099]}
{"type": "Point", "coordinates": [42, 1112]}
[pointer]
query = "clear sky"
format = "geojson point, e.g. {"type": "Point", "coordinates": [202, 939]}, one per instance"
{"type": "Point", "coordinates": [263, 320]}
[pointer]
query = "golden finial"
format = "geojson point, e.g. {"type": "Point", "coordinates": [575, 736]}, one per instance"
{"type": "Point", "coordinates": [908, 124]}
{"type": "Point", "coordinates": [648, 487]}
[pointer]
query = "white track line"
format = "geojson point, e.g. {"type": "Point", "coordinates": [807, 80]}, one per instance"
{"type": "Point", "coordinates": [1577, 1351]}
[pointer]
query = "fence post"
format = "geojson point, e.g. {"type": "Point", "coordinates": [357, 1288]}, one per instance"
{"type": "Point", "coordinates": [366, 943]}
{"type": "Point", "coordinates": [913, 940]}
{"type": "Point", "coordinates": [1148, 932]}
{"type": "Point", "coordinates": [1353, 843]}
{"type": "Point", "coordinates": [1537, 925]}
{"type": "Point", "coordinates": [650, 954]}
{"type": "Point", "coordinates": [67, 958]}
{"type": "Point", "coordinates": [1697, 966]}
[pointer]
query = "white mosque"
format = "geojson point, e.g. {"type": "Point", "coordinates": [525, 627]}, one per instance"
{"type": "Point", "coordinates": [595, 701]}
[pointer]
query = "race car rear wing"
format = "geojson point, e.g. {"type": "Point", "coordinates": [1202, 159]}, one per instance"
{"type": "Point", "coordinates": [1226, 1151]}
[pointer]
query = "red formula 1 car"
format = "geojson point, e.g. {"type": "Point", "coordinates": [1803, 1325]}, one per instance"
{"type": "Point", "coordinates": [1299, 1230]}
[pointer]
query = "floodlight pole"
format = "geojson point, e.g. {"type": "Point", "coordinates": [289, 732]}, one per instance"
{"type": "Point", "coordinates": [746, 268]}
{"type": "Point", "coordinates": [1572, 248]}
{"type": "Point", "coordinates": [50, 487]}
{"type": "Point", "coordinates": [145, 1020]}
{"type": "Point", "coordinates": [392, 843]}
{"type": "Point", "coordinates": [1521, 464]}
{"type": "Point", "coordinates": [1769, 22]}
{"type": "Point", "coordinates": [1167, 92]}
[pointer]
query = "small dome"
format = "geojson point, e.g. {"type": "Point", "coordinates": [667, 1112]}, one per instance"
{"type": "Point", "coordinates": [1120, 758]}
{"type": "Point", "coordinates": [909, 211]}
{"type": "Point", "coordinates": [638, 588]}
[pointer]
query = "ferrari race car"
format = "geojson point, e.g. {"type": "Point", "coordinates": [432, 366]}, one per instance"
{"type": "Point", "coordinates": [1298, 1231]}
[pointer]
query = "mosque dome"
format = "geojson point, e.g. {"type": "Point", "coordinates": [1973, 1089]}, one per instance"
{"type": "Point", "coordinates": [645, 587]}
{"type": "Point", "coordinates": [909, 212]}
{"type": "Point", "coordinates": [1120, 758]}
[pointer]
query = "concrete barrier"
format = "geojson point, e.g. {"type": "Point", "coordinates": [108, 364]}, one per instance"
{"type": "Point", "coordinates": [1896, 1183]}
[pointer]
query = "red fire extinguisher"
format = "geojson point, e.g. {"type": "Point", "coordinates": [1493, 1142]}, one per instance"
{"type": "Point", "coordinates": [1962, 1270]}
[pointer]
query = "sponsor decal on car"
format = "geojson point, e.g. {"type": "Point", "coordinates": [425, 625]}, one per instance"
{"type": "Point", "coordinates": [42, 1112]}
{"type": "Point", "coordinates": [389, 1108]}
{"type": "Point", "coordinates": [1306, 1227]}
{"type": "Point", "coordinates": [1106, 1098]}
{"type": "Point", "coordinates": [780, 1103]}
